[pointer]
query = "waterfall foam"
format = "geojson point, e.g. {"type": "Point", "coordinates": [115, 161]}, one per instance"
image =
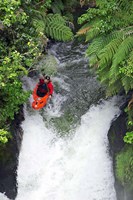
{"type": "Point", "coordinates": [52, 168]}
{"type": "Point", "coordinates": [3, 197]}
{"type": "Point", "coordinates": [76, 167]}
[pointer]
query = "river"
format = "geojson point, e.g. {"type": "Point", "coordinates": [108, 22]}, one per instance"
{"type": "Point", "coordinates": [65, 150]}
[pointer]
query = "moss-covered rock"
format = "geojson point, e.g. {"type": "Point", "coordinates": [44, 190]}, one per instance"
{"type": "Point", "coordinates": [48, 65]}
{"type": "Point", "coordinates": [64, 123]}
{"type": "Point", "coordinates": [124, 167]}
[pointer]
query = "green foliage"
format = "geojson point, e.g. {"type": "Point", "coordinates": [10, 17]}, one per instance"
{"type": "Point", "coordinates": [129, 137]}
{"type": "Point", "coordinates": [12, 94]}
{"type": "Point", "coordinates": [64, 123]}
{"type": "Point", "coordinates": [48, 65]}
{"type": "Point", "coordinates": [64, 7]}
{"type": "Point", "coordinates": [109, 27]}
{"type": "Point", "coordinates": [128, 71]}
{"type": "Point", "coordinates": [124, 167]}
{"type": "Point", "coordinates": [112, 55]}
{"type": "Point", "coordinates": [54, 26]}
{"type": "Point", "coordinates": [57, 6]}
{"type": "Point", "coordinates": [108, 15]}
{"type": "Point", "coordinates": [19, 49]}
{"type": "Point", "coordinates": [4, 136]}
{"type": "Point", "coordinates": [36, 4]}
{"type": "Point", "coordinates": [11, 13]}
{"type": "Point", "coordinates": [123, 51]}
{"type": "Point", "coordinates": [24, 28]}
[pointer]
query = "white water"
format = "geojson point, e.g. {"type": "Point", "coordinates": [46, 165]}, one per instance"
{"type": "Point", "coordinates": [52, 168]}
{"type": "Point", "coordinates": [74, 168]}
{"type": "Point", "coordinates": [3, 197]}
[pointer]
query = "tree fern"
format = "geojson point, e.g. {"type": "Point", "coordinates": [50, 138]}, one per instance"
{"type": "Point", "coordinates": [123, 50]}
{"type": "Point", "coordinates": [113, 88]}
{"type": "Point", "coordinates": [107, 53]}
{"type": "Point", "coordinates": [93, 61]}
{"type": "Point", "coordinates": [101, 49]}
{"type": "Point", "coordinates": [127, 83]}
{"type": "Point", "coordinates": [124, 4]}
{"type": "Point", "coordinates": [103, 75]}
{"type": "Point", "coordinates": [92, 33]}
{"type": "Point", "coordinates": [58, 18]}
{"type": "Point", "coordinates": [100, 42]}
{"type": "Point", "coordinates": [110, 31]}
{"type": "Point", "coordinates": [95, 46]}
{"type": "Point", "coordinates": [56, 28]}
{"type": "Point", "coordinates": [131, 56]}
{"type": "Point", "coordinates": [102, 53]}
{"type": "Point", "coordinates": [40, 25]}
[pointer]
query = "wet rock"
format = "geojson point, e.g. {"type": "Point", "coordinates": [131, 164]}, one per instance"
{"type": "Point", "coordinates": [9, 160]}
{"type": "Point", "coordinates": [116, 133]}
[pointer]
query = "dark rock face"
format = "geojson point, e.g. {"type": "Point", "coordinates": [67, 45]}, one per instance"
{"type": "Point", "coordinates": [9, 162]}
{"type": "Point", "coordinates": [116, 133]}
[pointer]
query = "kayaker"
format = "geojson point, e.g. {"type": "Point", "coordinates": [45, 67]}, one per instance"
{"type": "Point", "coordinates": [49, 85]}
{"type": "Point", "coordinates": [42, 89]}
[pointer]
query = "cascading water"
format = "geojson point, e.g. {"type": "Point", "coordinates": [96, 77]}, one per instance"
{"type": "Point", "coordinates": [76, 166]}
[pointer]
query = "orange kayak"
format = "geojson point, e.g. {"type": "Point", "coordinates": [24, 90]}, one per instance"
{"type": "Point", "coordinates": [39, 102]}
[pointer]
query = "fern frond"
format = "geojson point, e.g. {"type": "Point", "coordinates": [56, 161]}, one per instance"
{"type": "Point", "coordinates": [131, 57]}
{"type": "Point", "coordinates": [92, 33]}
{"type": "Point", "coordinates": [93, 61]}
{"type": "Point", "coordinates": [114, 88]}
{"type": "Point", "coordinates": [114, 75]}
{"type": "Point", "coordinates": [56, 28]}
{"type": "Point", "coordinates": [108, 52]}
{"type": "Point", "coordinates": [55, 17]}
{"type": "Point", "coordinates": [116, 34]}
{"type": "Point", "coordinates": [103, 75]}
{"type": "Point", "coordinates": [128, 31]}
{"type": "Point", "coordinates": [95, 46]}
{"type": "Point", "coordinates": [111, 36]}
{"type": "Point", "coordinates": [39, 25]}
{"type": "Point", "coordinates": [37, 14]}
{"type": "Point", "coordinates": [123, 50]}
{"type": "Point", "coordinates": [100, 42]}
{"type": "Point", "coordinates": [123, 4]}
{"type": "Point", "coordinates": [127, 83]}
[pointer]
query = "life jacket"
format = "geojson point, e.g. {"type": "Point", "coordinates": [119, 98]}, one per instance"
{"type": "Point", "coordinates": [42, 88]}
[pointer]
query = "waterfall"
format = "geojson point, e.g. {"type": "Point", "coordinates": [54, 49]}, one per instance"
{"type": "Point", "coordinates": [74, 168]}
{"type": "Point", "coordinates": [3, 197]}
